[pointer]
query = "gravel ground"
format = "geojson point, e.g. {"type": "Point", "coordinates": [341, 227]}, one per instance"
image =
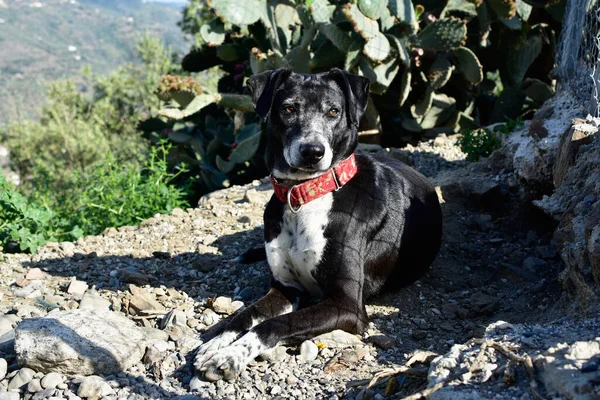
{"type": "Point", "coordinates": [175, 276]}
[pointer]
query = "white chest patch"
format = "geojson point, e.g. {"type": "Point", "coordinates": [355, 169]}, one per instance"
{"type": "Point", "coordinates": [295, 253]}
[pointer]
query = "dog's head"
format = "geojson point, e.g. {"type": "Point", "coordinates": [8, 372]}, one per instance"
{"type": "Point", "coordinates": [313, 118]}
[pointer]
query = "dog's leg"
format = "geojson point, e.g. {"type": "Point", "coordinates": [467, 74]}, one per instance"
{"type": "Point", "coordinates": [279, 300]}
{"type": "Point", "coordinates": [344, 310]}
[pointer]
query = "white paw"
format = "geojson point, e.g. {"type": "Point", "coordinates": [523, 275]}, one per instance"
{"type": "Point", "coordinates": [227, 363]}
{"type": "Point", "coordinates": [206, 350]}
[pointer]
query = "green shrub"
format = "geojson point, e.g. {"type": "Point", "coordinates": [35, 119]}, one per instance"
{"type": "Point", "coordinates": [478, 143]}
{"type": "Point", "coordinates": [107, 194]}
{"type": "Point", "coordinates": [23, 224]}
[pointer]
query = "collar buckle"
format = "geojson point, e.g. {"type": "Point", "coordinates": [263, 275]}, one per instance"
{"type": "Point", "coordinates": [289, 200]}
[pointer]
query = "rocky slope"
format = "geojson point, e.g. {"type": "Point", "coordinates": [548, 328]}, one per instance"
{"type": "Point", "coordinates": [490, 320]}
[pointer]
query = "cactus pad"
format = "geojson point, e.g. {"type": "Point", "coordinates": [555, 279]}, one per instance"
{"type": "Point", "coordinates": [441, 35]}
{"type": "Point", "coordinates": [440, 72]}
{"type": "Point", "coordinates": [377, 48]}
{"type": "Point", "coordinates": [503, 8]}
{"type": "Point", "coordinates": [213, 33]}
{"type": "Point", "coordinates": [238, 12]}
{"type": "Point", "coordinates": [366, 27]}
{"type": "Point", "coordinates": [231, 52]}
{"type": "Point", "coordinates": [342, 40]}
{"type": "Point", "coordinates": [373, 9]}
{"type": "Point", "coordinates": [322, 11]}
{"type": "Point", "coordinates": [404, 11]}
{"type": "Point", "coordinates": [405, 86]}
{"type": "Point", "coordinates": [468, 64]}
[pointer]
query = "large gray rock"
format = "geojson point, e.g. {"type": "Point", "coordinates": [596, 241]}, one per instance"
{"type": "Point", "coordinates": [82, 342]}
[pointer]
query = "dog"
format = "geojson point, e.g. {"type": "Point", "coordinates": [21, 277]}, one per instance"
{"type": "Point", "coordinates": [340, 226]}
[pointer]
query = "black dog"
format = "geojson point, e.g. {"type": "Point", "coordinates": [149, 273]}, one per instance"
{"type": "Point", "coordinates": [339, 227]}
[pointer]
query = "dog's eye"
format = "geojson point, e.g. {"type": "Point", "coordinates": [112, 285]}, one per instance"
{"type": "Point", "coordinates": [289, 109]}
{"type": "Point", "coordinates": [333, 112]}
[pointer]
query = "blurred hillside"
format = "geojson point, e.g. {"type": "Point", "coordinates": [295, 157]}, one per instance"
{"type": "Point", "coordinates": [41, 41]}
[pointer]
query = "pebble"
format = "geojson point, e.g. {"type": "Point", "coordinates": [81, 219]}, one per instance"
{"type": "Point", "coordinates": [34, 386]}
{"type": "Point", "coordinates": [3, 368]}
{"type": "Point", "coordinates": [94, 301]}
{"type": "Point", "coordinates": [8, 322]}
{"type": "Point", "coordinates": [382, 341]}
{"type": "Point", "coordinates": [77, 288]}
{"type": "Point", "coordinates": [51, 380]}
{"type": "Point", "coordinates": [94, 387]}
{"type": "Point", "coordinates": [224, 305]}
{"type": "Point", "coordinates": [337, 338]}
{"type": "Point", "coordinates": [34, 273]}
{"type": "Point", "coordinates": [308, 351]}
{"type": "Point", "coordinates": [9, 396]}
{"type": "Point", "coordinates": [22, 378]}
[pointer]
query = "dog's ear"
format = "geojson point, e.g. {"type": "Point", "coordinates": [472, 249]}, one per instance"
{"type": "Point", "coordinates": [356, 90]}
{"type": "Point", "coordinates": [262, 88]}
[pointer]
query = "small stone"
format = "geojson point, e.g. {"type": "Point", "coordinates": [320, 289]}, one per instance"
{"type": "Point", "coordinates": [35, 273]}
{"type": "Point", "coordinates": [32, 290]}
{"type": "Point", "coordinates": [8, 322]}
{"type": "Point", "coordinates": [77, 288]}
{"type": "Point", "coordinates": [3, 368]}
{"type": "Point", "coordinates": [93, 301]}
{"type": "Point", "coordinates": [174, 318]}
{"type": "Point", "coordinates": [46, 394]}
{"type": "Point", "coordinates": [161, 254]}
{"type": "Point", "coordinates": [385, 342]}
{"type": "Point", "coordinates": [308, 351]}
{"type": "Point", "coordinates": [275, 354]}
{"type": "Point", "coordinates": [419, 335]}
{"type": "Point", "coordinates": [94, 387]}
{"type": "Point", "coordinates": [224, 305]}
{"type": "Point", "coordinates": [135, 276]}
{"type": "Point", "coordinates": [253, 197]}
{"type": "Point", "coordinates": [52, 380]}
{"type": "Point", "coordinates": [22, 378]}
{"type": "Point", "coordinates": [337, 339]}
{"type": "Point", "coordinates": [209, 317]}
{"type": "Point", "coordinates": [34, 386]}
{"type": "Point", "coordinates": [533, 263]}
{"type": "Point", "coordinates": [144, 302]}
{"type": "Point", "coordinates": [10, 396]}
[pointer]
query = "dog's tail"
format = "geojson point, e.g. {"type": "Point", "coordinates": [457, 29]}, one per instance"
{"type": "Point", "coordinates": [252, 256]}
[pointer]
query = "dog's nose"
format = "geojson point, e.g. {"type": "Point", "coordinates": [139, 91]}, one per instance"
{"type": "Point", "coordinates": [312, 152]}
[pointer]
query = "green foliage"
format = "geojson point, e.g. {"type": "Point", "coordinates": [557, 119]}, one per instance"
{"type": "Point", "coordinates": [76, 130]}
{"type": "Point", "coordinates": [22, 224]}
{"type": "Point", "coordinates": [478, 143]}
{"type": "Point", "coordinates": [106, 194]}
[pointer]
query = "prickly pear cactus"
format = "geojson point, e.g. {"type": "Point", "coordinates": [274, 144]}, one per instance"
{"type": "Point", "coordinates": [442, 35]}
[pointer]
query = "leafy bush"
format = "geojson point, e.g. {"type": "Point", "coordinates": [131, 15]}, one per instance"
{"type": "Point", "coordinates": [76, 130]}
{"type": "Point", "coordinates": [107, 194]}
{"type": "Point", "coordinates": [24, 225]}
{"type": "Point", "coordinates": [478, 143]}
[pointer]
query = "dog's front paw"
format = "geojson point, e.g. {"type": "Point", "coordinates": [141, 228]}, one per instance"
{"type": "Point", "coordinates": [208, 349]}
{"type": "Point", "coordinates": [227, 363]}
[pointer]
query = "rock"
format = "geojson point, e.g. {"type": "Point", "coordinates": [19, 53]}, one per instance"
{"type": "Point", "coordinates": [209, 317]}
{"type": "Point", "coordinates": [94, 387]}
{"type": "Point", "coordinates": [155, 334]}
{"type": "Point", "coordinates": [22, 378]}
{"type": "Point", "coordinates": [275, 354]}
{"type": "Point", "coordinates": [82, 342]}
{"type": "Point", "coordinates": [533, 263]}
{"type": "Point", "coordinates": [385, 342]}
{"type": "Point", "coordinates": [93, 301]}
{"type": "Point", "coordinates": [173, 318]}
{"type": "Point", "coordinates": [308, 351]}
{"type": "Point", "coordinates": [479, 221]}
{"type": "Point", "coordinates": [7, 342]}
{"type": "Point", "coordinates": [337, 339]}
{"type": "Point", "coordinates": [156, 352]}
{"type": "Point", "coordinates": [144, 302]}
{"type": "Point", "coordinates": [224, 305]}
{"type": "Point", "coordinates": [3, 368]}
{"type": "Point", "coordinates": [133, 275]}
{"type": "Point", "coordinates": [8, 322]}
{"type": "Point", "coordinates": [483, 304]}
{"type": "Point", "coordinates": [568, 147]}
{"type": "Point", "coordinates": [9, 396]}
{"type": "Point", "coordinates": [161, 254]}
{"type": "Point", "coordinates": [252, 196]}
{"type": "Point", "coordinates": [32, 290]}
{"type": "Point", "coordinates": [34, 274]}
{"type": "Point", "coordinates": [77, 288]}
{"type": "Point", "coordinates": [34, 386]}
{"type": "Point", "coordinates": [51, 380]}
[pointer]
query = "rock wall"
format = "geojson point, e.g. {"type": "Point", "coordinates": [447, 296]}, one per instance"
{"type": "Point", "coordinates": [556, 157]}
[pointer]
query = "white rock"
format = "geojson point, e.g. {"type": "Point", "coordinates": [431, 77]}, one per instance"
{"type": "Point", "coordinates": [93, 301]}
{"type": "Point", "coordinates": [308, 351]}
{"type": "Point", "coordinates": [3, 368]}
{"type": "Point", "coordinates": [52, 380]}
{"type": "Point", "coordinates": [94, 387]}
{"type": "Point", "coordinates": [77, 288]}
{"type": "Point", "coordinates": [82, 342]}
{"type": "Point", "coordinates": [22, 378]}
{"type": "Point", "coordinates": [9, 396]}
{"type": "Point", "coordinates": [8, 322]}
{"type": "Point", "coordinates": [338, 338]}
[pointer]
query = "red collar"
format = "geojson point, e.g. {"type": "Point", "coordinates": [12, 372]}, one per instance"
{"type": "Point", "coordinates": [302, 193]}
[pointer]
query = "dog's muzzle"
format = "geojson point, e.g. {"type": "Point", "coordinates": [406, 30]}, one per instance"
{"type": "Point", "coordinates": [312, 154]}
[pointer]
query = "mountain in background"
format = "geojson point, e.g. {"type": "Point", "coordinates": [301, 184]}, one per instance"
{"type": "Point", "coordinates": [41, 41]}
